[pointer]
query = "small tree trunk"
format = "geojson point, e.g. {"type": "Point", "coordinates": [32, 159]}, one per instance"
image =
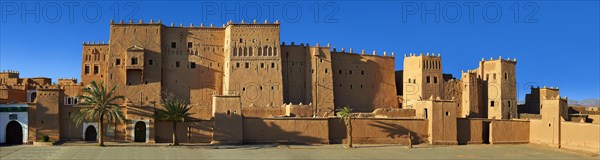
{"type": "Point", "coordinates": [349, 126]}
{"type": "Point", "coordinates": [175, 142]}
{"type": "Point", "coordinates": [101, 130]}
{"type": "Point", "coordinates": [409, 140]}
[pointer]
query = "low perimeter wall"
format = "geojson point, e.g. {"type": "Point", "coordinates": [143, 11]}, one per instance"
{"type": "Point", "coordinates": [379, 131]}
{"type": "Point", "coordinates": [332, 130]}
{"type": "Point", "coordinates": [286, 130]}
{"type": "Point", "coordinates": [187, 132]}
{"type": "Point", "coordinates": [580, 136]}
{"type": "Point", "coordinates": [472, 130]}
{"type": "Point", "coordinates": [509, 131]}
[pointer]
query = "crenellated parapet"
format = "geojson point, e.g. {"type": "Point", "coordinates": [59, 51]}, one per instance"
{"type": "Point", "coordinates": [421, 55]}
{"type": "Point", "coordinates": [514, 60]}
{"type": "Point", "coordinates": [94, 43]}
{"type": "Point", "coordinates": [362, 53]}
{"type": "Point", "coordinates": [48, 87]}
{"type": "Point", "coordinates": [67, 81]}
{"type": "Point", "coordinates": [10, 71]}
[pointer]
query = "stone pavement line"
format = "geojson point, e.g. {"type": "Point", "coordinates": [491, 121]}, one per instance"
{"type": "Point", "coordinates": [13, 151]}
{"type": "Point", "coordinates": [290, 152]}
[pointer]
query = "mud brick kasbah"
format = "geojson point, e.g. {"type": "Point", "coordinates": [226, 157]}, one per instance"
{"type": "Point", "coordinates": [247, 86]}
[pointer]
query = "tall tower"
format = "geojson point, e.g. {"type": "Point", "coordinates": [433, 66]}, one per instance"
{"type": "Point", "coordinates": [472, 96]}
{"type": "Point", "coordinates": [499, 77]}
{"type": "Point", "coordinates": [422, 78]}
{"type": "Point", "coordinates": [94, 62]}
{"type": "Point", "coordinates": [253, 63]}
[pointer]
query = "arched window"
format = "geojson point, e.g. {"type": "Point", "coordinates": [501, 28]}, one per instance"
{"type": "Point", "coordinates": [245, 51]}
{"type": "Point", "coordinates": [235, 52]}
{"type": "Point", "coordinates": [270, 51]}
{"type": "Point", "coordinates": [265, 51]}
{"type": "Point", "coordinates": [259, 51]}
{"type": "Point", "coordinates": [240, 51]}
{"type": "Point", "coordinates": [250, 53]}
{"type": "Point", "coordinates": [275, 51]}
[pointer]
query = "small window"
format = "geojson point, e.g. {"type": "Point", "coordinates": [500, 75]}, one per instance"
{"type": "Point", "coordinates": [435, 79]}
{"type": "Point", "coordinates": [362, 72]}
{"type": "Point", "coordinates": [505, 76]}
{"type": "Point", "coordinates": [492, 103]}
{"type": "Point", "coordinates": [428, 80]}
{"type": "Point", "coordinates": [237, 65]}
{"type": "Point", "coordinates": [177, 64]}
{"type": "Point", "coordinates": [340, 71]}
{"type": "Point", "coordinates": [350, 72]}
{"type": "Point", "coordinates": [325, 70]}
{"type": "Point", "coordinates": [241, 40]}
{"type": "Point", "coordinates": [173, 45]}
{"type": "Point", "coordinates": [96, 70]}
{"type": "Point", "coordinates": [247, 65]}
{"type": "Point", "coordinates": [272, 65]}
{"type": "Point", "coordinates": [118, 62]}
{"type": "Point", "coordinates": [134, 61]}
{"type": "Point", "coordinates": [190, 44]}
{"type": "Point", "coordinates": [75, 101]}
{"type": "Point", "coordinates": [192, 64]}
{"type": "Point", "coordinates": [87, 69]}
{"type": "Point", "coordinates": [14, 117]}
{"type": "Point", "coordinates": [150, 62]}
{"type": "Point", "coordinates": [262, 65]}
{"type": "Point", "coordinates": [68, 101]}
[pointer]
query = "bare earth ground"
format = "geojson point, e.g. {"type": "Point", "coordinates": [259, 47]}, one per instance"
{"type": "Point", "coordinates": [161, 151]}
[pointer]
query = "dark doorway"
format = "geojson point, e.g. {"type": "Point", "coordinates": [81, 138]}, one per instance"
{"type": "Point", "coordinates": [486, 132]}
{"type": "Point", "coordinates": [140, 131]}
{"type": "Point", "coordinates": [91, 134]}
{"type": "Point", "coordinates": [14, 133]}
{"type": "Point", "coordinates": [33, 95]}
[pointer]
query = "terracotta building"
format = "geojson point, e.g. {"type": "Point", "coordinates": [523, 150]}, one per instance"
{"type": "Point", "coordinates": [246, 86]}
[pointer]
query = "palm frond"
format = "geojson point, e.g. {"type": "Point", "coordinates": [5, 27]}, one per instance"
{"type": "Point", "coordinates": [174, 110]}
{"type": "Point", "coordinates": [98, 101]}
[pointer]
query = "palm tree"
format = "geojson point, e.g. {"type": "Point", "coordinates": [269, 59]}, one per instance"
{"type": "Point", "coordinates": [101, 104]}
{"type": "Point", "coordinates": [175, 110]}
{"type": "Point", "coordinates": [346, 115]}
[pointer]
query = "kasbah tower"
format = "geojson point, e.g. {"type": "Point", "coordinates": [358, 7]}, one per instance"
{"type": "Point", "coordinates": [240, 79]}
{"type": "Point", "coordinates": [196, 63]}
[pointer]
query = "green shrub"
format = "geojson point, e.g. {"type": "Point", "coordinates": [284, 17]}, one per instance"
{"type": "Point", "coordinates": [45, 138]}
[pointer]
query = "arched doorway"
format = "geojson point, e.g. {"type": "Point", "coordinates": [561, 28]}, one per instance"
{"type": "Point", "coordinates": [14, 133]}
{"type": "Point", "coordinates": [91, 134]}
{"type": "Point", "coordinates": [140, 131]}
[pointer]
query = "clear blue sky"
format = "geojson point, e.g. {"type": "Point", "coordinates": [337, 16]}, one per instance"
{"type": "Point", "coordinates": [556, 43]}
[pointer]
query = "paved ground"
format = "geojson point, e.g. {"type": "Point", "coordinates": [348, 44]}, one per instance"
{"type": "Point", "coordinates": [124, 151]}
